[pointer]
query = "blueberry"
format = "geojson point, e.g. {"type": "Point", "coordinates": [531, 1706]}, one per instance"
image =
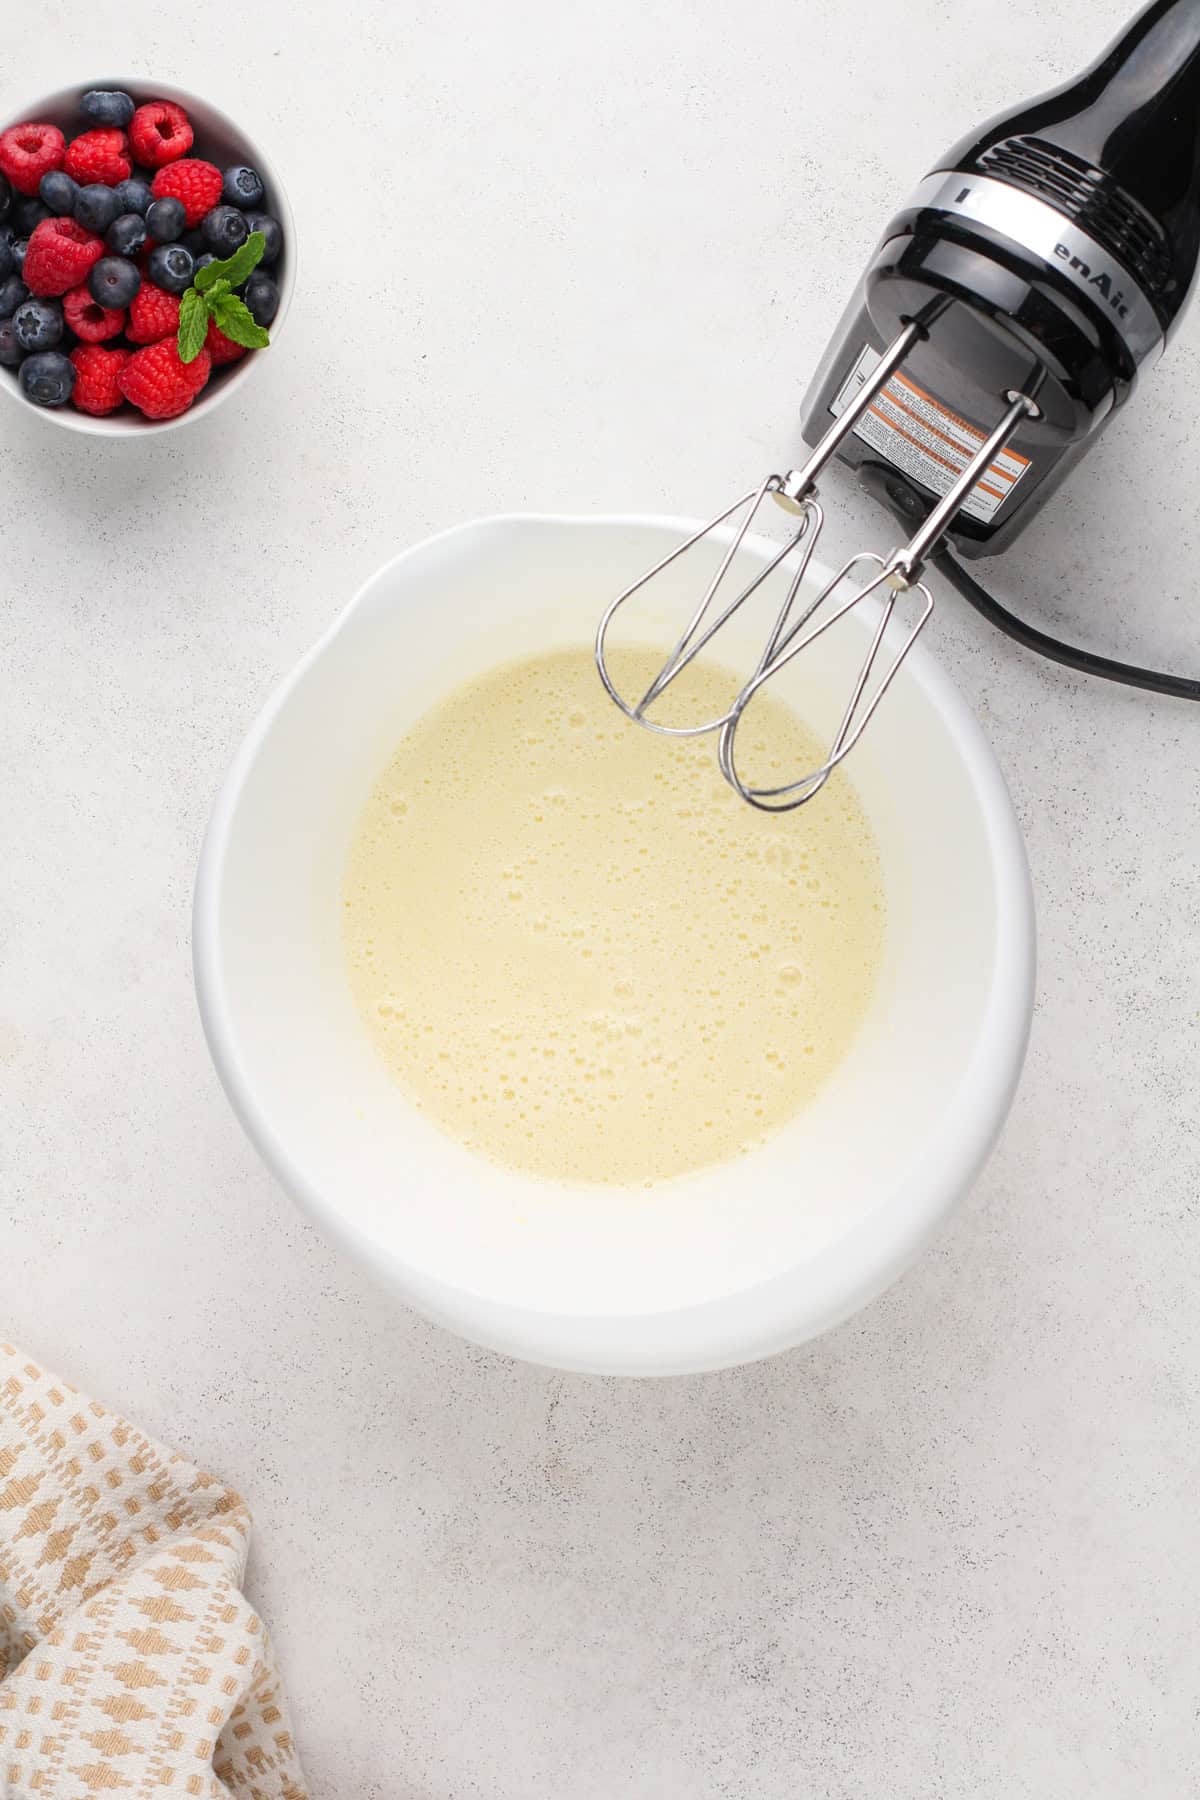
{"type": "Point", "coordinates": [10, 351]}
{"type": "Point", "coordinates": [171, 267]}
{"type": "Point", "coordinates": [96, 207]}
{"type": "Point", "coordinates": [126, 235]}
{"type": "Point", "coordinates": [203, 260]}
{"type": "Point", "coordinates": [28, 215]}
{"type": "Point", "coordinates": [262, 298]}
{"type": "Point", "coordinates": [242, 186]}
{"type": "Point", "coordinates": [17, 250]}
{"type": "Point", "coordinates": [6, 259]}
{"type": "Point", "coordinates": [47, 379]}
{"type": "Point", "coordinates": [165, 219]}
{"type": "Point", "coordinates": [133, 196]}
{"type": "Point", "coordinates": [108, 106]}
{"type": "Point", "coordinates": [5, 196]}
{"type": "Point", "coordinates": [113, 281]}
{"type": "Point", "coordinates": [271, 230]}
{"type": "Point", "coordinates": [38, 324]}
{"type": "Point", "coordinates": [12, 293]}
{"type": "Point", "coordinates": [225, 230]}
{"type": "Point", "coordinates": [59, 193]}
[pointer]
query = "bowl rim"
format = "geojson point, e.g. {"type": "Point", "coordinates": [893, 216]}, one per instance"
{"type": "Point", "coordinates": [131, 425]}
{"type": "Point", "coordinates": [742, 1325]}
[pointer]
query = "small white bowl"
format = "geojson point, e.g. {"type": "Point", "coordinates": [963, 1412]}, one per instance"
{"type": "Point", "coordinates": [218, 140]}
{"type": "Point", "coordinates": [717, 1268]}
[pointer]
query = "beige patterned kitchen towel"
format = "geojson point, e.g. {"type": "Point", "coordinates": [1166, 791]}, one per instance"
{"type": "Point", "coordinates": [131, 1664]}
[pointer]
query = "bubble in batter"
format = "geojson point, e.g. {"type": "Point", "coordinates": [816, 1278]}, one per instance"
{"type": "Point", "coordinates": [579, 953]}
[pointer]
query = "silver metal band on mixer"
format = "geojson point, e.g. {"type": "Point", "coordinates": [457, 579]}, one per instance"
{"type": "Point", "coordinates": [1071, 252]}
{"type": "Point", "coordinates": [887, 576]}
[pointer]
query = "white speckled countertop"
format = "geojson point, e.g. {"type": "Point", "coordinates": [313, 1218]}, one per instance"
{"type": "Point", "coordinates": [555, 257]}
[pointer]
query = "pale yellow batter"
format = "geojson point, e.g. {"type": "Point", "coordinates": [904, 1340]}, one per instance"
{"type": "Point", "coordinates": [580, 953]}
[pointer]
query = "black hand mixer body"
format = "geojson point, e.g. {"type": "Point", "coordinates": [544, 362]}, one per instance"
{"type": "Point", "coordinates": [1051, 254]}
{"type": "Point", "coordinates": [1007, 314]}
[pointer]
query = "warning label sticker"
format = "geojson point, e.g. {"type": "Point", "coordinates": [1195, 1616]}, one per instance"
{"type": "Point", "coordinates": [921, 437]}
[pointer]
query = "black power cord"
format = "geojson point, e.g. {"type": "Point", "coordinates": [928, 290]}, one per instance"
{"type": "Point", "coordinates": [947, 564]}
{"type": "Point", "coordinates": [909, 507]}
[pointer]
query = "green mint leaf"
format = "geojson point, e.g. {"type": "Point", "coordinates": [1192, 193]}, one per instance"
{"type": "Point", "coordinates": [215, 291]}
{"type": "Point", "coordinates": [244, 260]}
{"type": "Point", "coordinates": [233, 269]}
{"type": "Point", "coordinates": [234, 318]}
{"type": "Point", "coordinates": [193, 325]}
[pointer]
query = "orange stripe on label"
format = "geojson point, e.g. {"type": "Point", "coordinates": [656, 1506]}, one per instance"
{"type": "Point", "coordinates": [996, 473]}
{"type": "Point", "coordinates": [954, 468]}
{"type": "Point", "coordinates": [964, 424]}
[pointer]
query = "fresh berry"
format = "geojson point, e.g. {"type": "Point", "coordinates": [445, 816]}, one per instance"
{"type": "Point", "coordinates": [113, 282]}
{"type": "Point", "coordinates": [97, 207]}
{"type": "Point", "coordinates": [58, 194]}
{"type": "Point", "coordinates": [159, 384]}
{"type": "Point", "coordinates": [99, 156]}
{"type": "Point", "coordinates": [28, 215]}
{"type": "Point", "coordinates": [221, 349]}
{"type": "Point", "coordinates": [153, 314]}
{"type": "Point", "coordinates": [164, 219]}
{"type": "Point", "coordinates": [5, 196]}
{"type": "Point", "coordinates": [134, 196]}
{"type": "Point", "coordinates": [160, 134]}
{"type": "Point", "coordinates": [12, 293]}
{"type": "Point", "coordinates": [225, 230]}
{"type": "Point", "coordinates": [47, 379]}
{"type": "Point", "coordinates": [262, 298]}
{"type": "Point", "coordinates": [97, 389]}
{"type": "Point", "coordinates": [171, 267]}
{"type": "Point", "coordinates": [107, 106]}
{"type": "Point", "coordinates": [38, 324]}
{"type": "Point", "coordinates": [60, 254]}
{"type": "Point", "coordinates": [203, 260]}
{"type": "Point", "coordinates": [27, 152]}
{"type": "Point", "coordinates": [242, 186]}
{"type": "Point", "coordinates": [126, 235]}
{"type": "Point", "coordinates": [272, 232]}
{"type": "Point", "coordinates": [196, 183]}
{"type": "Point", "coordinates": [11, 352]}
{"type": "Point", "coordinates": [90, 321]}
{"type": "Point", "coordinates": [18, 250]}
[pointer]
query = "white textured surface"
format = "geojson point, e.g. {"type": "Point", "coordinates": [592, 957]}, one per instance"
{"type": "Point", "coordinates": [948, 1550]}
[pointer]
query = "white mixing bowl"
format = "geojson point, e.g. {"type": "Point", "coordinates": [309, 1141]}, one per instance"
{"type": "Point", "coordinates": [716, 1268]}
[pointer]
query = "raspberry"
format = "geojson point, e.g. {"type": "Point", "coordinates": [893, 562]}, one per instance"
{"type": "Point", "coordinates": [89, 320]}
{"type": "Point", "coordinates": [221, 349]}
{"type": "Point", "coordinates": [196, 183]}
{"type": "Point", "coordinates": [153, 315]}
{"type": "Point", "coordinates": [27, 152]}
{"type": "Point", "coordinates": [98, 156]}
{"type": "Point", "coordinates": [159, 133]}
{"type": "Point", "coordinates": [96, 387]}
{"type": "Point", "coordinates": [159, 384]}
{"type": "Point", "coordinates": [59, 256]}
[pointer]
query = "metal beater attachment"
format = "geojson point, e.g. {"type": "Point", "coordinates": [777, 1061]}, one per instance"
{"type": "Point", "coordinates": [863, 576]}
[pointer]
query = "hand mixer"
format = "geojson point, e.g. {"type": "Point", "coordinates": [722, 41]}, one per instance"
{"type": "Point", "coordinates": [1004, 319]}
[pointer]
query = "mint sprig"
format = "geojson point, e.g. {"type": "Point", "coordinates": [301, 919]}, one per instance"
{"type": "Point", "coordinates": [193, 325]}
{"type": "Point", "coordinates": [235, 268]}
{"type": "Point", "coordinates": [211, 296]}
